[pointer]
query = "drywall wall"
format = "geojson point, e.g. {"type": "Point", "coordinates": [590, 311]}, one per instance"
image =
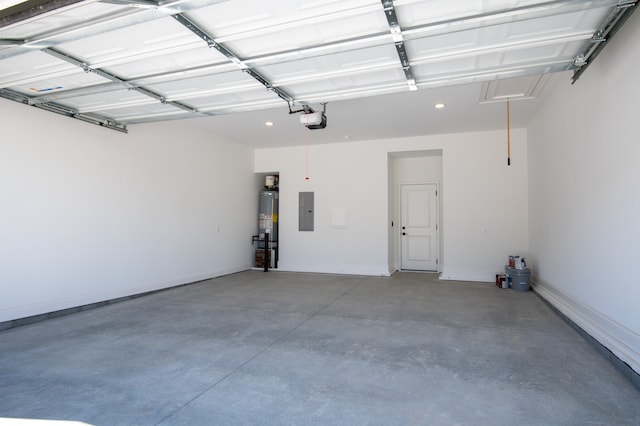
{"type": "Point", "coordinates": [349, 181]}
{"type": "Point", "coordinates": [484, 213]}
{"type": "Point", "coordinates": [585, 196]}
{"type": "Point", "coordinates": [90, 214]}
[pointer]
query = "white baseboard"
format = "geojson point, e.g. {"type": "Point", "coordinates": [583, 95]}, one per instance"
{"type": "Point", "coordinates": [28, 310]}
{"type": "Point", "coordinates": [474, 278]}
{"type": "Point", "coordinates": [621, 341]}
{"type": "Point", "coordinates": [336, 271]}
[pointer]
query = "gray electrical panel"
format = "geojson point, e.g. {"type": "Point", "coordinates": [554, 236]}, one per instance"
{"type": "Point", "coordinates": [305, 211]}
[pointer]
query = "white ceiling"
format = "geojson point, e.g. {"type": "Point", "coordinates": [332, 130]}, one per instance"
{"type": "Point", "coordinates": [231, 65]}
{"type": "Point", "coordinates": [379, 117]}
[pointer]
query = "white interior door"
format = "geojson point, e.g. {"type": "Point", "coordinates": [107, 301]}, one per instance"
{"type": "Point", "coordinates": [419, 227]}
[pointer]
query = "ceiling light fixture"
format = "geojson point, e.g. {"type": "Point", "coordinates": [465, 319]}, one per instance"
{"type": "Point", "coordinates": [268, 123]}
{"type": "Point", "coordinates": [439, 106]}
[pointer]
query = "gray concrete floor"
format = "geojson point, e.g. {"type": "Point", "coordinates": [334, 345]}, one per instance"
{"type": "Point", "coordinates": [287, 348]}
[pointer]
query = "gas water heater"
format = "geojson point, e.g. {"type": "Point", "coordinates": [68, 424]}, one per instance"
{"type": "Point", "coordinates": [267, 249]}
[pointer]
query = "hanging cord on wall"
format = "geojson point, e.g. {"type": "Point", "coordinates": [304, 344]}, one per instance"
{"type": "Point", "coordinates": [307, 175]}
{"type": "Point", "coordinates": [508, 134]}
{"type": "Point", "coordinates": [306, 137]}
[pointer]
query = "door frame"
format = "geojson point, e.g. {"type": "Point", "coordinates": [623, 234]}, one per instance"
{"type": "Point", "coordinates": [437, 220]}
{"type": "Point", "coordinates": [413, 167]}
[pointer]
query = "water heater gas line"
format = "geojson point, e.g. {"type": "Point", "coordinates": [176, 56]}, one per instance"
{"type": "Point", "coordinates": [508, 134]}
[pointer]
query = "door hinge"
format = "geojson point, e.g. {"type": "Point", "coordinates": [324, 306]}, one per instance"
{"type": "Point", "coordinates": [436, 227]}
{"type": "Point", "coordinates": [436, 261]}
{"type": "Point", "coordinates": [436, 192]}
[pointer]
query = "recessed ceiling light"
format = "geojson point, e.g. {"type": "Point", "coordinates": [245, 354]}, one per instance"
{"type": "Point", "coordinates": [268, 123]}
{"type": "Point", "coordinates": [439, 106]}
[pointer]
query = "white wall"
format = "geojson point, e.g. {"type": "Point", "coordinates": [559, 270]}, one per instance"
{"type": "Point", "coordinates": [90, 214]}
{"type": "Point", "coordinates": [348, 176]}
{"type": "Point", "coordinates": [479, 192]}
{"type": "Point", "coordinates": [585, 196]}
